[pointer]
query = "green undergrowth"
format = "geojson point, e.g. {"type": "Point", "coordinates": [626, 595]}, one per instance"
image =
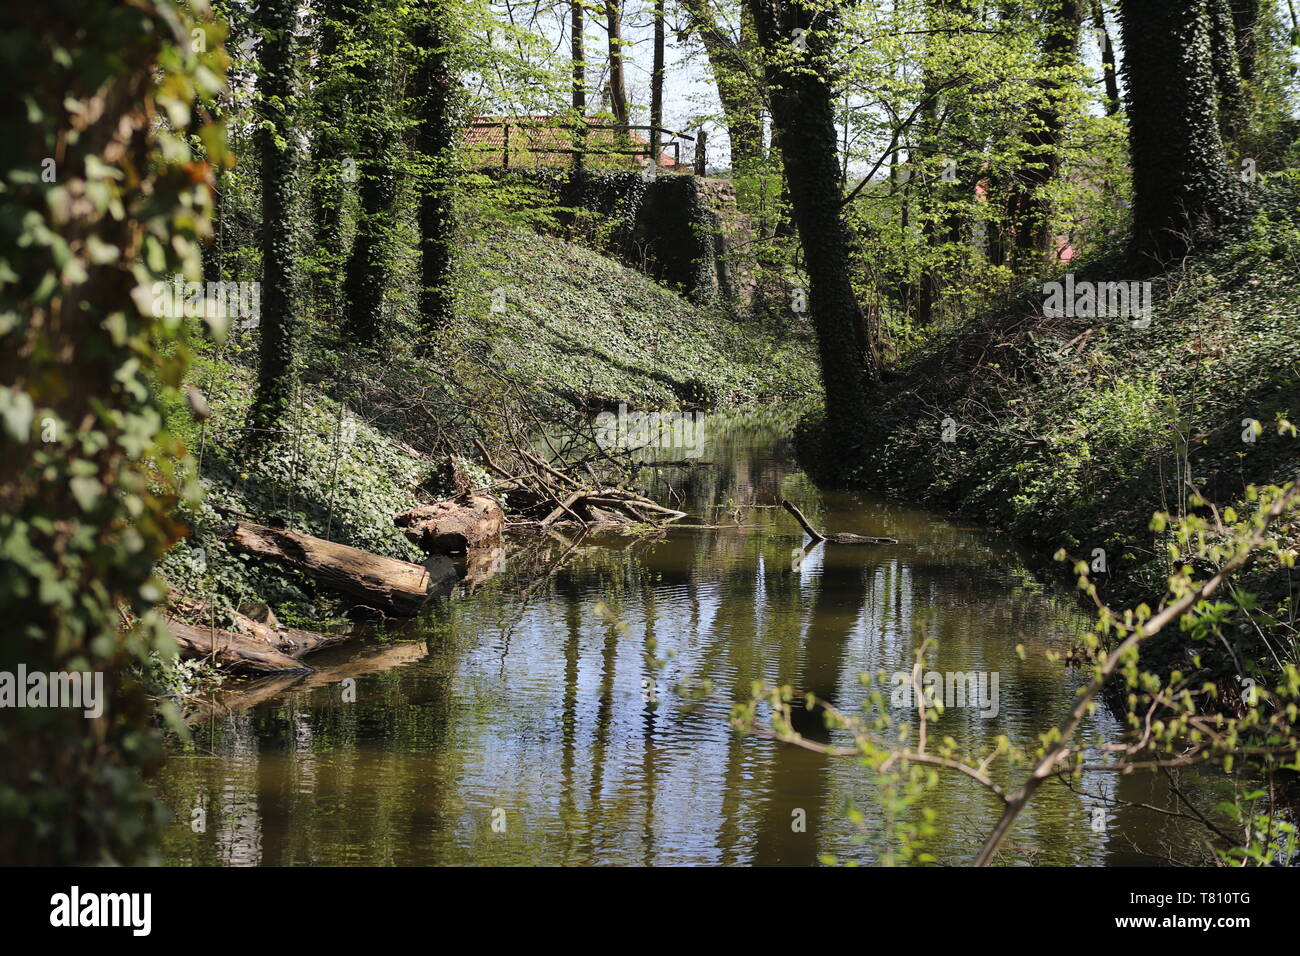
{"type": "Point", "coordinates": [369, 432]}
{"type": "Point", "coordinates": [1072, 432]}
{"type": "Point", "coordinates": [582, 328]}
{"type": "Point", "coordinates": [329, 474]}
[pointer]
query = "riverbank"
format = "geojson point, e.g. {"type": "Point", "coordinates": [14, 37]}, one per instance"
{"type": "Point", "coordinates": [577, 709]}
{"type": "Point", "coordinates": [1071, 432]}
{"type": "Point", "coordinates": [557, 333]}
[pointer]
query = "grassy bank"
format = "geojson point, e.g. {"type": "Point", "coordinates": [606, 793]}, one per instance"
{"type": "Point", "coordinates": [371, 431]}
{"type": "Point", "coordinates": [1072, 432]}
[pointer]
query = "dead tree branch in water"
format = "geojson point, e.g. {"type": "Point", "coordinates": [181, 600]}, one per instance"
{"type": "Point", "coordinates": [839, 537]}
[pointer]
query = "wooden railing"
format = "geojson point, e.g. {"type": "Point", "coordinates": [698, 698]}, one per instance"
{"type": "Point", "coordinates": [578, 132]}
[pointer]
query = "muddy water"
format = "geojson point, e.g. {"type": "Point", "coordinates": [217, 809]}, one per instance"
{"type": "Point", "coordinates": [556, 715]}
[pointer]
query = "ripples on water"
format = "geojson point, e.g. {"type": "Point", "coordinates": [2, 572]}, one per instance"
{"type": "Point", "coordinates": [531, 724]}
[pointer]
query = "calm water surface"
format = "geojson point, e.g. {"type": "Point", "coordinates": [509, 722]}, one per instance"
{"type": "Point", "coordinates": [545, 719]}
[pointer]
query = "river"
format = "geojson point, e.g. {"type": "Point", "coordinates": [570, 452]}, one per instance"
{"type": "Point", "coordinates": [574, 710]}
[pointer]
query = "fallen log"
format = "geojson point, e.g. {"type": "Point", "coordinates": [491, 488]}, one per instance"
{"type": "Point", "coordinates": [287, 640]}
{"type": "Point", "coordinates": [224, 702]}
{"type": "Point", "coordinates": [234, 652]}
{"type": "Point", "coordinates": [455, 525]}
{"type": "Point", "coordinates": [387, 584]}
{"type": "Point", "coordinates": [368, 660]}
{"type": "Point", "coordinates": [564, 506]}
{"type": "Point", "coordinates": [839, 537]}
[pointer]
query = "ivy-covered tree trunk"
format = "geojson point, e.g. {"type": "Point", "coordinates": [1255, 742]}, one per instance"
{"type": "Point", "coordinates": [1227, 70]}
{"type": "Point", "coordinates": [803, 118]}
{"type": "Point", "coordinates": [277, 323]}
{"type": "Point", "coordinates": [1245, 21]}
{"type": "Point", "coordinates": [89, 357]}
{"type": "Point", "coordinates": [365, 276]}
{"type": "Point", "coordinates": [578, 83]}
{"type": "Point", "coordinates": [1183, 187]}
{"type": "Point", "coordinates": [734, 65]}
{"type": "Point", "coordinates": [330, 144]}
{"type": "Point", "coordinates": [436, 141]}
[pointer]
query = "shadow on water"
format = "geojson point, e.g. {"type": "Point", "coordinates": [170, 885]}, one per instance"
{"type": "Point", "coordinates": [551, 716]}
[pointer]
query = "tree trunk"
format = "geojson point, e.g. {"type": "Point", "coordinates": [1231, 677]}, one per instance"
{"type": "Point", "coordinates": [1245, 19]}
{"type": "Point", "coordinates": [365, 276]}
{"type": "Point", "coordinates": [86, 380]}
{"type": "Point", "coordinates": [930, 190]}
{"type": "Point", "coordinates": [1109, 75]}
{"type": "Point", "coordinates": [1183, 188]}
{"type": "Point", "coordinates": [1042, 160]}
{"type": "Point", "coordinates": [1227, 70]}
{"type": "Point", "coordinates": [455, 525]}
{"type": "Point", "coordinates": [577, 26]}
{"type": "Point", "coordinates": [803, 118]}
{"type": "Point", "coordinates": [734, 66]}
{"type": "Point", "coordinates": [617, 82]}
{"type": "Point", "coordinates": [389, 585]}
{"type": "Point", "coordinates": [329, 145]}
{"type": "Point", "coordinates": [275, 150]}
{"type": "Point", "coordinates": [233, 652]}
{"type": "Point", "coordinates": [436, 140]}
{"type": "Point", "coordinates": [657, 81]}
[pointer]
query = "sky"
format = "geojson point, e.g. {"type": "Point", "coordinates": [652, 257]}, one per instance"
{"type": "Point", "coordinates": [689, 93]}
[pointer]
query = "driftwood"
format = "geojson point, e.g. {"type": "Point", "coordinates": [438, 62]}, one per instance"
{"type": "Point", "coordinates": [604, 507]}
{"type": "Point", "coordinates": [288, 640]}
{"type": "Point", "coordinates": [255, 622]}
{"type": "Point", "coordinates": [253, 647]}
{"type": "Point", "coordinates": [234, 652]}
{"type": "Point", "coordinates": [457, 524]}
{"type": "Point", "coordinates": [386, 584]}
{"type": "Point", "coordinates": [541, 495]}
{"type": "Point", "coordinates": [367, 660]}
{"type": "Point", "coordinates": [841, 537]}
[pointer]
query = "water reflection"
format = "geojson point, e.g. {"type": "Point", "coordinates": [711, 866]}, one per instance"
{"type": "Point", "coordinates": [542, 718]}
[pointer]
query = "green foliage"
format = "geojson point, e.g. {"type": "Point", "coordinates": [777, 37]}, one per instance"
{"type": "Point", "coordinates": [952, 104]}
{"type": "Point", "coordinates": [597, 333]}
{"type": "Point", "coordinates": [1076, 430]}
{"type": "Point", "coordinates": [578, 332]}
{"type": "Point", "coordinates": [1270, 839]}
{"type": "Point", "coordinates": [88, 483]}
{"type": "Point", "coordinates": [328, 473]}
{"type": "Point", "coordinates": [1172, 719]}
{"type": "Point", "coordinates": [1104, 441]}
